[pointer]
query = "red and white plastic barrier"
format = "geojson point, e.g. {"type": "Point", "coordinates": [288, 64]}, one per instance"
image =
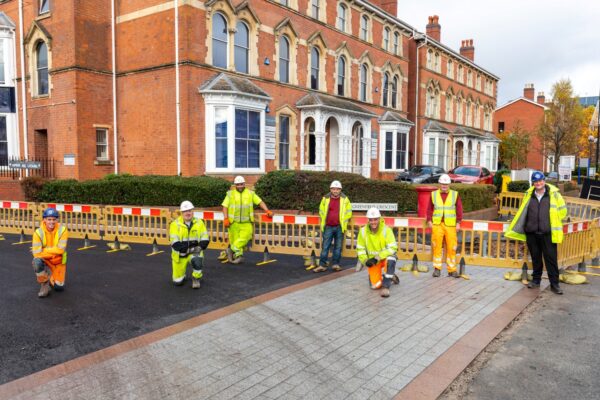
{"type": "Point", "coordinates": [209, 215]}
{"type": "Point", "coordinates": [148, 212]}
{"type": "Point", "coordinates": [15, 205]}
{"type": "Point", "coordinates": [576, 227]}
{"type": "Point", "coordinates": [71, 207]}
{"type": "Point", "coordinates": [484, 226]}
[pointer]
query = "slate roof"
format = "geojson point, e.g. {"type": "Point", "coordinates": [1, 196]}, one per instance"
{"type": "Point", "coordinates": [391, 116]}
{"type": "Point", "coordinates": [315, 100]}
{"type": "Point", "coordinates": [224, 83]}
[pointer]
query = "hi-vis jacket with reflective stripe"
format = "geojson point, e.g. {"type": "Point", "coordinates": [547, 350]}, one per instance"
{"type": "Point", "coordinates": [380, 244]}
{"type": "Point", "coordinates": [345, 210]}
{"type": "Point", "coordinates": [240, 206]}
{"type": "Point", "coordinates": [179, 232]}
{"type": "Point", "coordinates": [57, 252]}
{"type": "Point", "coordinates": [558, 212]}
{"type": "Point", "coordinates": [447, 209]}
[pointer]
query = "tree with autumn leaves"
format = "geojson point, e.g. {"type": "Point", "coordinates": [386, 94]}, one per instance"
{"type": "Point", "coordinates": [514, 145]}
{"type": "Point", "coordinates": [561, 130]}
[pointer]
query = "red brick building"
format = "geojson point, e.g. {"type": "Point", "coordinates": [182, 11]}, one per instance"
{"type": "Point", "coordinates": [527, 113]}
{"type": "Point", "coordinates": [226, 87]}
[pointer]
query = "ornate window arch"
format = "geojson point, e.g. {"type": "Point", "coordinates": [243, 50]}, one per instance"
{"type": "Point", "coordinates": [343, 88]}
{"type": "Point", "coordinates": [397, 46]}
{"type": "Point", "coordinates": [241, 47]}
{"type": "Point", "coordinates": [365, 69]}
{"type": "Point", "coordinates": [386, 38]}
{"type": "Point", "coordinates": [316, 65]}
{"type": "Point", "coordinates": [449, 112]}
{"type": "Point", "coordinates": [39, 48]}
{"type": "Point", "coordinates": [285, 31]}
{"type": "Point", "coordinates": [343, 19]}
{"type": "Point", "coordinates": [365, 28]}
{"type": "Point", "coordinates": [286, 126]}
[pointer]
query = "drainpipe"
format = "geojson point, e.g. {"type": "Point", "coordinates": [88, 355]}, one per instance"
{"type": "Point", "coordinates": [177, 103]}
{"type": "Point", "coordinates": [23, 86]}
{"type": "Point", "coordinates": [417, 99]}
{"type": "Point", "coordinates": [114, 88]}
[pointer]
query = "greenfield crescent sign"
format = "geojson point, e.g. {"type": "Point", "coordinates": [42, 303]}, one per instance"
{"type": "Point", "coordinates": [379, 206]}
{"type": "Point", "coordinates": [24, 164]}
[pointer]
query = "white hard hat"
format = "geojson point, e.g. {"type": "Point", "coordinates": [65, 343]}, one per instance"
{"type": "Point", "coordinates": [336, 184]}
{"type": "Point", "coordinates": [373, 213]}
{"type": "Point", "coordinates": [445, 179]}
{"type": "Point", "coordinates": [186, 206]}
{"type": "Point", "coordinates": [239, 179]}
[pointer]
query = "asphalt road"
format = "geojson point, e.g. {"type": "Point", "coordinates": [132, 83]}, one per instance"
{"type": "Point", "coordinates": [111, 297]}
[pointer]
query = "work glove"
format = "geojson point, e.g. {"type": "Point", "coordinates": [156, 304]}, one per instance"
{"type": "Point", "coordinates": [270, 214]}
{"type": "Point", "coordinates": [370, 262]}
{"type": "Point", "coordinates": [226, 223]}
{"type": "Point", "coordinates": [203, 244]}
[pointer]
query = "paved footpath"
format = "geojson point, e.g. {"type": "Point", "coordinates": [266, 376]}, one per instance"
{"type": "Point", "coordinates": [329, 338]}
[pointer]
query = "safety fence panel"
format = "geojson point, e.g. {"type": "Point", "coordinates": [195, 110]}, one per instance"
{"type": "Point", "coordinates": [18, 217]}
{"type": "Point", "coordinates": [581, 209]}
{"type": "Point", "coordinates": [287, 234]}
{"type": "Point", "coordinates": [213, 220]}
{"type": "Point", "coordinates": [483, 243]}
{"type": "Point", "coordinates": [509, 202]}
{"type": "Point", "coordinates": [81, 220]}
{"type": "Point", "coordinates": [136, 224]}
{"type": "Point", "coordinates": [575, 247]}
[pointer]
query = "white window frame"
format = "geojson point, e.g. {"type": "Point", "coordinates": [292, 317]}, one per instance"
{"type": "Point", "coordinates": [42, 9]}
{"type": "Point", "coordinates": [342, 23]}
{"type": "Point", "coordinates": [365, 28]}
{"type": "Point", "coordinates": [394, 130]}
{"type": "Point", "coordinates": [105, 143]}
{"type": "Point", "coordinates": [437, 138]}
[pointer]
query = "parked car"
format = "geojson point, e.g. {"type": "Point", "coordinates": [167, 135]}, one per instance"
{"type": "Point", "coordinates": [421, 174]}
{"type": "Point", "coordinates": [471, 174]}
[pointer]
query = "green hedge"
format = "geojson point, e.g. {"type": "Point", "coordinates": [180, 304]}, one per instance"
{"type": "Point", "coordinates": [518, 186]}
{"type": "Point", "coordinates": [150, 190]}
{"type": "Point", "coordinates": [303, 190]}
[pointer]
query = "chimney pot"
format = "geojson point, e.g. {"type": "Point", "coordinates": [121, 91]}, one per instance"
{"type": "Point", "coordinates": [433, 28]}
{"type": "Point", "coordinates": [529, 91]}
{"type": "Point", "coordinates": [467, 49]}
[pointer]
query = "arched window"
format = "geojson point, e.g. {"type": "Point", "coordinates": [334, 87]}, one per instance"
{"type": "Point", "coordinates": [430, 59]}
{"type": "Point", "coordinates": [341, 17]}
{"type": "Point", "coordinates": [396, 43]}
{"type": "Point", "coordinates": [364, 28]}
{"type": "Point", "coordinates": [386, 83]}
{"type": "Point", "coordinates": [284, 59]}
{"type": "Point", "coordinates": [386, 39]}
{"type": "Point", "coordinates": [241, 47]}
{"type": "Point", "coordinates": [357, 145]}
{"type": "Point", "coordinates": [315, 9]}
{"type": "Point", "coordinates": [395, 92]}
{"type": "Point", "coordinates": [219, 41]}
{"type": "Point", "coordinates": [468, 121]}
{"type": "Point", "coordinates": [311, 142]}
{"type": "Point", "coordinates": [364, 71]}
{"type": "Point", "coordinates": [314, 68]}
{"type": "Point", "coordinates": [41, 54]}
{"type": "Point", "coordinates": [448, 107]}
{"type": "Point", "coordinates": [450, 69]}
{"type": "Point", "coordinates": [429, 103]}
{"type": "Point", "coordinates": [341, 76]}
{"type": "Point", "coordinates": [459, 113]}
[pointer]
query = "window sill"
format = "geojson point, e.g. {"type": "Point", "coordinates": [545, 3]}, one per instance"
{"type": "Point", "coordinates": [40, 96]}
{"type": "Point", "coordinates": [103, 162]}
{"type": "Point", "coordinates": [43, 16]}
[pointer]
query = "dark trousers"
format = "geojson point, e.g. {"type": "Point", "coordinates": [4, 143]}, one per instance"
{"type": "Point", "coordinates": [540, 245]}
{"type": "Point", "coordinates": [331, 234]}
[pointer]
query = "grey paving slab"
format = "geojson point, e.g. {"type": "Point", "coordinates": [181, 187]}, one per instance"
{"type": "Point", "coordinates": [336, 340]}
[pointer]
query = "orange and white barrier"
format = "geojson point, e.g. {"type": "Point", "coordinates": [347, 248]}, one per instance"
{"type": "Point", "coordinates": [18, 217]}
{"type": "Point", "coordinates": [83, 221]}
{"type": "Point", "coordinates": [136, 224]}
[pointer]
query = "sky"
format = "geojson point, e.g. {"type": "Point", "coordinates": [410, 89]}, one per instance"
{"type": "Point", "coordinates": [521, 41]}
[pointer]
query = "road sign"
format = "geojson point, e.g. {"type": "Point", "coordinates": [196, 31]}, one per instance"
{"type": "Point", "coordinates": [24, 164]}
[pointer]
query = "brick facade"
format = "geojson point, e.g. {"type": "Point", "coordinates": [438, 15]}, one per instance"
{"type": "Point", "coordinates": [63, 124]}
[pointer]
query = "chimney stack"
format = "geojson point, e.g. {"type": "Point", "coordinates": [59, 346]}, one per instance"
{"type": "Point", "coordinates": [434, 29]}
{"type": "Point", "coordinates": [389, 6]}
{"type": "Point", "coordinates": [467, 49]}
{"type": "Point", "coordinates": [541, 99]}
{"type": "Point", "coordinates": [529, 91]}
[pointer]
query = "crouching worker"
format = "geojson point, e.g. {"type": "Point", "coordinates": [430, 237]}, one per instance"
{"type": "Point", "coordinates": [377, 248]}
{"type": "Point", "coordinates": [49, 248]}
{"type": "Point", "coordinates": [189, 238]}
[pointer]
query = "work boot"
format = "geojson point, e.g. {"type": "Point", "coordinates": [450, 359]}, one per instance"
{"type": "Point", "coordinates": [533, 285]}
{"type": "Point", "coordinates": [385, 292]}
{"type": "Point", "coordinates": [44, 289]}
{"type": "Point", "coordinates": [453, 274]}
{"type": "Point", "coordinates": [395, 279]}
{"type": "Point", "coordinates": [222, 256]}
{"type": "Point", "coordinates": [336, 268]}
{"type": "Point", "coordinates": [229, 254]}
{"type": "Point", "coordinates": [238, 260]}
{"type": "Point", "coordinates": [556, 289]}
{"type": "Point", "coordinates": [436, 273]}
{"type": "Point", "coordinates": [320, 268]}
{"type": "Point", "coordinates": [359, 266]}
{"type": "Point", "coordinates": [195, 283]}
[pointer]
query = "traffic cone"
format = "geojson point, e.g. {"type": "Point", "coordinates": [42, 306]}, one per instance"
{"type": "Point", "coordinates": [266, 257]}
{"type": "Point", "coordinates": [462, 269]}
{"type": "Point", "coordinates": [581, 266]}
{"type": "Point", "coordinates": [313, 261]}
{"type": "Point", "coordinates": [22, 238]}
{"type": "Point", "coordinates": [524, 277]}
{"type": "Point", "coordinates": [1, 237]}
{"type": "Point", "coordinates": [415, 265]}
{"type": "Point", "coordinates": [155, 249]}
{"type": "Point", "coordinates": [86, 243]}
{"type": "Point", "coordinates": [117, 246]}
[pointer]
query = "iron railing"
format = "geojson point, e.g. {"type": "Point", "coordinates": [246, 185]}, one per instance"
{"type": "Point", "coordinates": [18, 167]}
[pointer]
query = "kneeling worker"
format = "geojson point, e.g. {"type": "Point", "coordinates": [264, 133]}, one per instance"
{"type": "Point", "coordinates": [377, 248]}
{"type": "Point", "coordinates": [189, 239]}
{"type": "Point", "coordinates": [49, 248]}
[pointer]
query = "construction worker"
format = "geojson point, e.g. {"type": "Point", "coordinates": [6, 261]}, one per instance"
{"type": "Point", "coordinates": [539, 222]}
{"type": "Point", "coordinates": [376, 249]}
{"type": "Point", "coordinates": [238, 209]}
{"type": "Point", "coordinates": [49, 248]}
{"type": "Point", "coordinates": [444, 215]}
{"type": "Point", "coordinates": [335, 212]}
{"type": "Point", "coordinates": [189, 239]}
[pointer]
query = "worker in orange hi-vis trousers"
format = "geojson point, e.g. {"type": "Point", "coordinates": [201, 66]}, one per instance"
{"type": "Point", "coordinates": [444, 215]}
{"type": "Point", "coordinates": [49, 248]}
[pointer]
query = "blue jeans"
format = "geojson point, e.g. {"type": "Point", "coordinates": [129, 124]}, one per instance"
{"type": "Point", "coordinates": [332, 233]}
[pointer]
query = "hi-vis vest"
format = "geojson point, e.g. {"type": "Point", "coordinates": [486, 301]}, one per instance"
{"type": "Point", "coordinates": [179, 232]}
{"type": "Point", "coordinates": [445, 209]}
{"type": "Point", "coordinates": [345, 211]}
{"type": "Point", "coordinates": [558, 212]}
{"type": "Point", "coordinates": [381, 243]}
{"type": "Point", "coordinates": [240, 206]}
{"type": "Point", "coordinates": [59, 231]}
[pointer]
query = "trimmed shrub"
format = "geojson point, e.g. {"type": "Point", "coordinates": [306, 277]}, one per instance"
{"type": "Point", "coordinates": [32, 186]}
{"type": "Point", "coordinates": [475, 197]}
{"type": "Point", "coordinates": [203, 191]}
{"type": "Point", "coordinates": [518, 186]}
